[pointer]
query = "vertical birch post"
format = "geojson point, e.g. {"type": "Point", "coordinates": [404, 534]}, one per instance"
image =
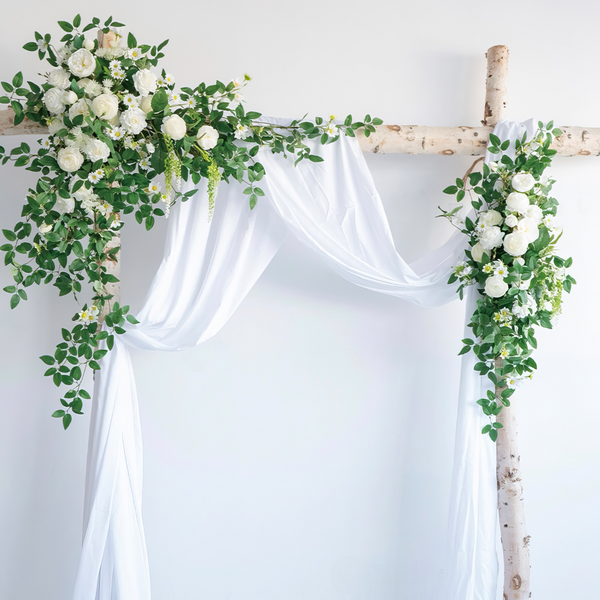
{"type": "Point", "coordinates": [113, 267]}
{"type": "Point", "coordinates": [511, 509]}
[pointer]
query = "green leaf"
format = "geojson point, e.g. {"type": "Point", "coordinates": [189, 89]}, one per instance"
{"type": "Point", "coordinates": [486, 429]}
{"type": "Point", "coordinates": [77, 21]}
{"type": "Point", "coordinates": [65, 26]}
{"type": "Point", "coordinates": [315, 158]}
{"type": "Point", "coordinates": [497, 425]}
{"type": "Point", "coordinates": [494, 435]}
{"type": "Point", "coordinates": [451, 189]}
{"type": "Point", "coordinates": [131, 41]}
{"type": "Point", "coordinates": [67, 420]}
{"type": "Point", "coordinates": [30, 47]}
{"type": "Point", "coordinates": [85, 395]}
{"type": "Point", "coordinates": [464, 350]}
{"type": "Point", "coordinates": [14, 301]}
{"type": "Point", "coordinates": [9, 235]}
{"type": "Point", "coordinates": [160, 100]}
{"type": "Point", "coordinates": [18, 80]}
{"type": "Point", "coordinates": [49, 360]}
{"type": "Point", "coordinates": [132, 319]}
{"type": "Point", "coordinates": [494, 139]}
{"type": "Point", "coordinates": [94, 365]}
{"type": "Point", "coordinates": [58, 413]}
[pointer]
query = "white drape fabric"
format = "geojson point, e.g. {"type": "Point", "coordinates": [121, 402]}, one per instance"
{"type": "Point", "coordinates": [207, 270]}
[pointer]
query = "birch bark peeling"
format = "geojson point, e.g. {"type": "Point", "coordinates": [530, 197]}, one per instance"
{"type": "Point", "coordinates": [511, 508]}
{"type": "Point", "coordinates": [495, 85]}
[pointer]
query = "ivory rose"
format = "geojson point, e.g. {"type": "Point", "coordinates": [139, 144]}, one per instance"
{"type": "Point", "coordinates": [59, 78]}
{"type": "Point", "coordinates": [79, 108]}
{"type": "Point", "coordinates": [133, 120]}
{"type": "Point", "coordinates": [97, 150]}
{"type": "Point", "coordinates": [175, 127]}
{"type": "Point", "coordinates": [69, 159]}
{"type": "Point", "coordinates": [55, 125]}
{"type": "Point", "coordinates": [146, 103]}
{"type": "Point", "coordinates": [522, 182]}
{"type": "Point", "coordinates": [529, 228]}
{"type": "Point", "coordinates": [105, 106]}
{"type": "Point", "coordinates": [477, 252]}
{"type": "Point", "coordinates": [69, 97]}
{"type": "Point", "coordinates": [515, 244]}
{"type": "Point", "coordinates": [82, 63]}
{"type": "Point", "coordinates": [511, 221]}
{"type": "Point", "coordinates": [517, 202]}
{"type": "Point", "coordinates": [53, 99]}
{"type": "Point", "coordinates": [145, 82]}
{"type": "Point", "coordinates": [491, 237]}
{"type": "Point", "coordinates": [495, 287]}
{"type": "Point", "coordinates": [207, 137]}
{"type": "Point", "coordinates": [491, 217]}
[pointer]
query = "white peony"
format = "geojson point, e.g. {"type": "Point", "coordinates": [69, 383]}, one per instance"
{"type": "Point", "coordinates": [55, 125]}
{"type": "Point", "coordinates": [495, 287]}
{"type": "Point", "coordinates": [515, 244]}
{"type": "Point", "coordinates": [145, 82]}
{"type": "Point", "coordinates": [477, 252]}
{"type": "Point", "coordinates": [64, 205]}
{"type": "Point", "coordinates": [69, 97]}
{"type": "Point", "coordinates": [53, 99]}
{"type": "Point", "coordinates": [146, 103]}
{"type": "Point", "coordinates": [491, 237]}
{"type": "Point", "coordinates": [69, 159]}
{"type": "Point", "coordinates": [82, 63]}
{"type": "Point", "coordinates": [105, 106]}
{"type": "Point", "coordinates": [174, 126]}
{"type": "Point", "coordinates": [491, 217]}
{"type": "Point", "coordinates": [60, 79]}
{"type": "Point", "coordinates": [133, 120]}
{"type": "Point", "coordinates": [79, 108]}
{"type": "Point", "coordinates": [517, 202]}
{"type": "Point", "coordinates": [529, 228]}
{"type": "Point", "coordinates": [97, 150]}
{"type": "Point", "coordinates": [522, 182]}
{"type": "Point", "coordinates": [207, 137]}
{"type": "Point", "coordinates": [534, 212]}
{"type": "Point", "coordinates": [511, 221]}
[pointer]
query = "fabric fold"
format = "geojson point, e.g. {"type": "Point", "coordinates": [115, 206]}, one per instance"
{"type": "Point", "coordinates": [208, 269]}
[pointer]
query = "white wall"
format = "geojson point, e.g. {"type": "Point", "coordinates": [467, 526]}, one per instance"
{"type": "Point", "coordinates": [305, 452]}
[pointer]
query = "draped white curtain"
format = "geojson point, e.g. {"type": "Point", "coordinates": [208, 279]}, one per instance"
{"type": "Point", "coordinates": [207, 270]}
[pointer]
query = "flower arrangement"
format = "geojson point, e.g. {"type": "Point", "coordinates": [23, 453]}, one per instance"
{"type": "Point", "coordinates": [119, 127]}
{"type": "Point", "coordinates": [511, 258]}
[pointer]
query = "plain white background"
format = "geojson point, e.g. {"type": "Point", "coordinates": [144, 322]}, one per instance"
{"type": "Point", "coordinates": [305, 452]}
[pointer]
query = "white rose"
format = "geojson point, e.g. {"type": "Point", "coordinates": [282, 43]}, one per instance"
{"type": "Point", "coordinates": [522, 182]}
{"type": "Point", "coordinates": [105, 106]}
{"type": "Point", "coordinates": [511, 221]}
{"type": "Point", "coordinates": [69, 97]}
{"type": "Point", "coordinates": [64, 205]}
{"type": "Point", "coordinates": [69, 159]}
{"type": "Point", "coordinates": [207, 137]}
{"type": "Point", "coordinates": [82, 63]}
{"type": "Point", "coordinates": [174, 126]}
{"type": "Point", "coordinates": [55, 125]}
{"type": "Point", "coordinates": [79, 108]}
{"type": "Point", "coordinates": [491, 237]}
{"type": "Point", "coordinates": [97, 150]}
{"type": "Point", "coordinates": [517, 202]}
{"type": "Point", "coordinates": [146, 103]}
{"type": "Point", "coordinates": [477, 252]}
{"type": "Point", "coordinates": [491, 217]}
{"type": "Point", "coordinates": [59, 78]}
{"type": "Point", "coordinates": [529, 228]}
{"type": "Point", "coordinates": [515, 244]}
{"type": "Point", "coordinates": [145, 82]}
{"type": "Point", "coordinates": [45, 228]}
{"type": "Point", "coordinates": [88, 44]}
{"type": "Point", "coordinates": [53, 99]}
{"type": "Point", "coordinates": [535, 213]}
{"type": "Point", "coordinates": [133, 120]}
{"type": "Point", "coordinates": [116, 120]}
{"type": "Point", "coordinates": [495, 287]}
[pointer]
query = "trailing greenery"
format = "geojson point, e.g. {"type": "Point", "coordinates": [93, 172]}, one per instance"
{"type": "Point", "coordinates": [115, 126]}
{"type": "Point", "coordinates": [512, 260]}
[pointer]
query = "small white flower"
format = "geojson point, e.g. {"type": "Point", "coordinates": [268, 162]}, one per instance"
{"type": "Point", "coordinates": [153, 188]}
{"type": "Point", "coordinates": [150, 148]}
{"type": "Point", "coordinates": [134, 54]}
{"type": "Point", "coordinates": [505, 314]}
{"type": "Point", "coordinates": [174, 98]}
{"type": "Point", "coordinates": [117, 75]}
{"type": "Point", "coordinates": [546, 305]}
{"type": "Point", "coordinates": [46, 144]}
{"type": "Point", "coordinates": [548, 221]}
{"type": "Point", "coordinates": [131, 100]}
{"type": "Point", "coordinates": [169, 79]}
{"type": "Point", "coordinates": [144, 164]}
{"type": "Point", "coordinates": [130, 143]}
{"type": "Point", "coordinates": [160, 82]}
{"type": "Point", "coordinates": [42, 45]}
{"type": "Point", "coordinates": [500, 268]}
{"type": "Point", "coordinates": [108, 83]}
{"type": "Point", "coordinates": [87, 316]}
{"type": "Point", "coordinates": [241, 132]}
{"type": "Point", "coordinates": [560, 274]}
{"type": "Point", "coordinates": [114, 65]}
{"type": "Point", "coordinates": [115, 133]}
{"type": "Point", "coordinates": [504, 352]}
{"type": "Point", "coordinates": [511, 381]}
{"type": "Point", "coordinates": [331, 129]}
{"type": "Point", "coordinates": [190, 103]}
{"type": "Point", "coordinates": [493, 165]}
{"type": "Point", "coordinates": [487, 268]}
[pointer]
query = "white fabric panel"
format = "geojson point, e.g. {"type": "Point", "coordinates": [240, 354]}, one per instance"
{"type": "Point", "coordinates": [208, 269]}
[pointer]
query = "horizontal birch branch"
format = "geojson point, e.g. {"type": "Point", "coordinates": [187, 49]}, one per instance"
{"type": "Point", "coordinates": [406, 139]}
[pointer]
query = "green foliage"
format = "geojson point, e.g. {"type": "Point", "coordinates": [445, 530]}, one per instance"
{"type": "Point", "coordinates": [65, 235]}
{"type": "Point", "coordinates": [521, 285]}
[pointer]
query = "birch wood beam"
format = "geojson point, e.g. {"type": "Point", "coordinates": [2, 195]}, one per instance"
{"type": "Point", "coordinates": [495, 85]}
{"type": "Point", "coordinates": [406, 139]}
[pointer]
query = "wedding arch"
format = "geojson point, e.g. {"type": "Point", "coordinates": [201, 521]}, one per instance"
{"type": "Point", "coordinates": [258, 234]}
